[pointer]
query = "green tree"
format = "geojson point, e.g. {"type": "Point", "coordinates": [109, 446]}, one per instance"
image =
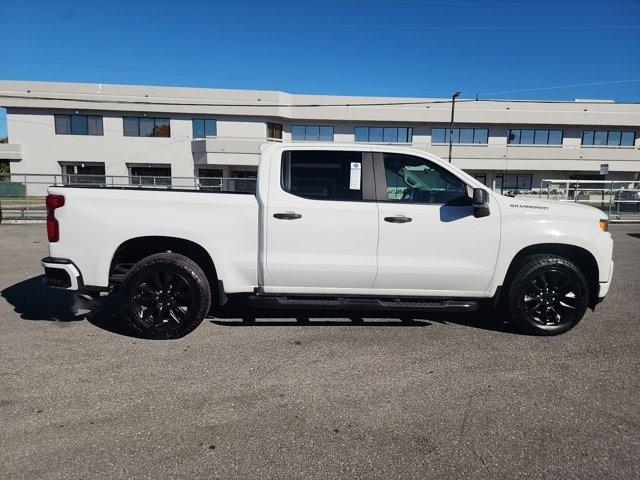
{"type": "Point", "coordinates": [4, 166]}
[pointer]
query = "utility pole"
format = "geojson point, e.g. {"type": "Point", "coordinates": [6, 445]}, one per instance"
{"type": "Point", "coordinates": [453, 109]}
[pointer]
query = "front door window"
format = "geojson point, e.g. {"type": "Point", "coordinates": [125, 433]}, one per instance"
{"type": "Point", "coordinates": [417, 180]}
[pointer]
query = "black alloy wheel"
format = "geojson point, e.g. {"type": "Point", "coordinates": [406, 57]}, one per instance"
{"type": "Point", "coordinates": [165, 295]}
{"type": "Point", "coordinates": [163, 299]}
{"type": "Point", "coordinates": [547, 295]}
{"type": "Point", "coordinates": [551, 298]}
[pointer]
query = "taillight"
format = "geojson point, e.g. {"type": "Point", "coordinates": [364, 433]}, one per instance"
{"type": "Point", "coordinates": [53, 230]}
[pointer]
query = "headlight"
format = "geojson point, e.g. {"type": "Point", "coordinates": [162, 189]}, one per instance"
{"type": "Point", "coordinates": [603, 224]}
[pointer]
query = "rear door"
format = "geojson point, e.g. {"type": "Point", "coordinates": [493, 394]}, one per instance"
{"type": "Point", "coordinates": [322, 223]}
{"type": "Point", "coordinates": [430, 243]}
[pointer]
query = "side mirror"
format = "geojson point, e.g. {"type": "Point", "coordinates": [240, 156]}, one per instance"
{"type": "Point", "coordinates": [480, 200]}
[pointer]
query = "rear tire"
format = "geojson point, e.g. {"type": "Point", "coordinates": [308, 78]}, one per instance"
{"type": "Point", "coordinates": [165, 296]}
{"type": "Point", "coordinates": [548, 295]}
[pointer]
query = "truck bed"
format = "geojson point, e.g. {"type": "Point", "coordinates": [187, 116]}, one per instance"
{"type": "Point", "coordinates": [224, 223]}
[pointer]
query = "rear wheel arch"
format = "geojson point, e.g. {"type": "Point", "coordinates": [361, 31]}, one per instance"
{"type": "Point", "coordinates": [578, 255]}
{"type": "Point", "coordinates": [135, 249]}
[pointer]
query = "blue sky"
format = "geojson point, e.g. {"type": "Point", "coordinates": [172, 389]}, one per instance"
{"type": "Point", "coordinates": [493, 48]}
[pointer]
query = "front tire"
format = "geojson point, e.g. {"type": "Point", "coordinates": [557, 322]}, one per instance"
{"type": "Point", "coordinates": [165, 296]}
{"type": "Point", "coordinates": [548, 295]}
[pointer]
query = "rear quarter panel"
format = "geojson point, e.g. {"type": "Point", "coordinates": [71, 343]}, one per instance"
{"type": "Point", "coordinates": [94, 222]}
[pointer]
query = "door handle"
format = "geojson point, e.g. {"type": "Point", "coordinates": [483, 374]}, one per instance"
{"type": "Point", "coordinates": [397, 219]}
{"type": "Point", "coordinates": [287, 216]}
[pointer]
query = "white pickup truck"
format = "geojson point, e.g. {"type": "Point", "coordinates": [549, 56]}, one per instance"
{"type": "Point", "coordinates": [331, 226]}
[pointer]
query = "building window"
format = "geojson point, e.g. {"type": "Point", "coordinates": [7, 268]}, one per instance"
{"type": "Point", "coordinates": [520, 136]}
{"type": "Point", "coordinates": [274, 131]}
{"type": "Point", "coordinates": [481, 177]}
{"type": "Point", "coordinates": [210, 179]}
{"type": "Point", "coordinates": [383, 134]}
{"type": "Point", "coordinates": [150, 175]}
{"type": "Point", "coordinates": [330, 175]}
{"type": "Point", "coordinates": [605, 138]}
{"type": "Point", "coordinates": [311, 133]}
{"type": "Point", "coordinates": [78, 125]}
{"type": "Point", "coordinates": [204, 127]}
{"type": "Point", "coordinates": [516, 181]}
{"type": "Point", "coordinates": [83, 174]}
{"type": "Point", "coordinates": [146, 127]}
{"type": "Point", "coordinates": [627, 139]}
{"type": "Point", "coordinates": [460, 135]}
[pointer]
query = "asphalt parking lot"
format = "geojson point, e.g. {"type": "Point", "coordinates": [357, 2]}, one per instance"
{"type": "Point", "coordinates": [456, 396]}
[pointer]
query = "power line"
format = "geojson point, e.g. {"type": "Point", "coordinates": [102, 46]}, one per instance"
{"type": "Point", "coordinates": [260, 105]}
{"type": "Point", "coordinates": [167, 72]}
{"type": "Point", "coordinates": [492, 4]}
{"type": "Point", "coordinates": [573, 85]}
{"type": "Point", "coordinates": [315, 105]}
{"type": "Point", "coordinates": [286, 105]}
{"type": "Point", "coordinates": [130, 69]}
{"type": "Point", "coordinates": [494, 27]}
{"type": "Point", "coordinates": [160, 147]}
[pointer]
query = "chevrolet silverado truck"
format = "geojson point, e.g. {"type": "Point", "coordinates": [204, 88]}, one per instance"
{"type": "Point", "coordinates": [331, 226]}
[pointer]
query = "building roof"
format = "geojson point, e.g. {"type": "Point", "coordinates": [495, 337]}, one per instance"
{"type": "Point", "coordinates": [265, 103]}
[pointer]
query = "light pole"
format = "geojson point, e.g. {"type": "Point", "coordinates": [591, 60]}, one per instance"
{"type": "Point", "coordinates": [453, 109]}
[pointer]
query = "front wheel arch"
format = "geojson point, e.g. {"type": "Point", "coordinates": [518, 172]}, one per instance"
{"type": "Point", "coordinates": [548, 295]}
{"type": "Point", "coordinates": [578, 255]}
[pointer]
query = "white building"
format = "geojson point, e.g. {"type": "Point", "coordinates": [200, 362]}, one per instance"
{"type": "Point", "coordinates": [60, 128]}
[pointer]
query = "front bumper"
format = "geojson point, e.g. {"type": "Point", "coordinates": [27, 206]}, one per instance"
{"type": "Point", "coordinates": [604, 286]}
{"type": "Point", "coordinates": [62, 273]}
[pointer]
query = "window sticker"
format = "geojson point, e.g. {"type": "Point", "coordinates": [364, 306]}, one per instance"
{"type": "Point", "coordinates": [356, 175]}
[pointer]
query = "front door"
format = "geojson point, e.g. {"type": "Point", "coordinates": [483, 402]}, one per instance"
{"type": "Point", "coordinates": [322, 223]}
{"type": "Point", "coordinates": [430, 243]}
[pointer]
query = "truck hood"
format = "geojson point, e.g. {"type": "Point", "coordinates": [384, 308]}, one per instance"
{"type": "Point", "coordinates": [544, 207]}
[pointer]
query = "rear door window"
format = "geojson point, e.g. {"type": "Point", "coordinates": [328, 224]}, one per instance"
{"type": "Point", "coordinates": [328, 175]}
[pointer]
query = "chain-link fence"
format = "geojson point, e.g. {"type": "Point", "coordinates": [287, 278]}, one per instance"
{"type": "Point", "coordinates": [619, 199]}
{"type": "Point", "coordinates": [22, 195]}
